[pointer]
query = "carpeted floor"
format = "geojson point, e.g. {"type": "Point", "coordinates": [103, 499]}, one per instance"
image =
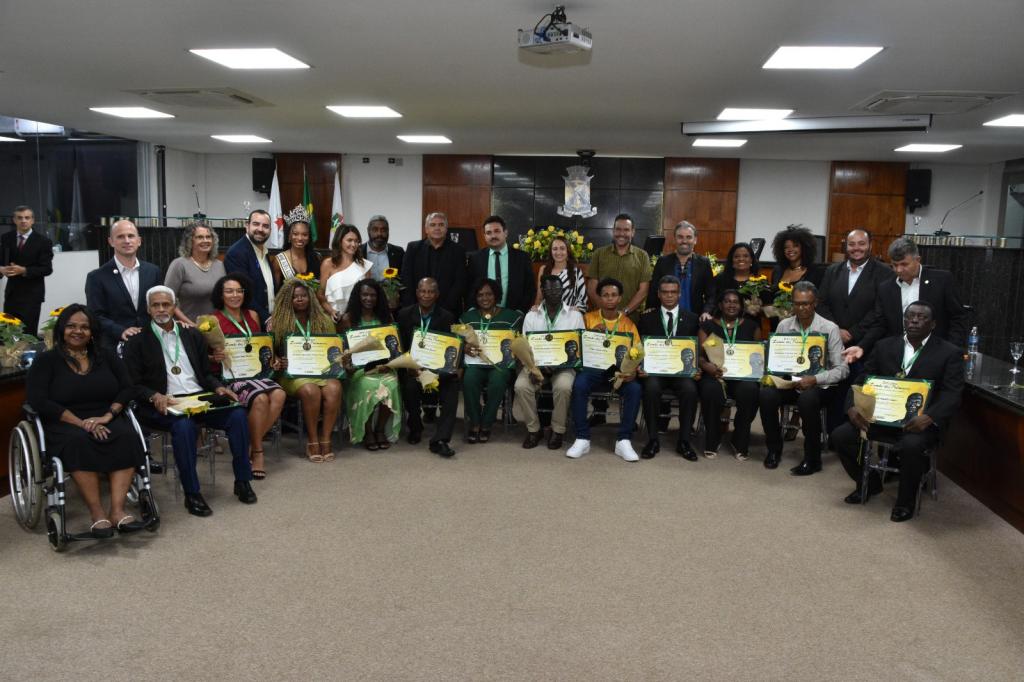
{"type": "Point", "coordinates": [511, 564]}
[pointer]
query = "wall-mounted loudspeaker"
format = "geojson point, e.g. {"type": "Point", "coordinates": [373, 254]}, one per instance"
{"type": "Point", "coordinates": [919, 188]}
{"type": "Point", "coordinates": [262, 175]}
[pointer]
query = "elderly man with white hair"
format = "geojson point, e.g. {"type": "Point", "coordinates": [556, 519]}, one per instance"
{"type": "Point", "coordinates": [167, 360]}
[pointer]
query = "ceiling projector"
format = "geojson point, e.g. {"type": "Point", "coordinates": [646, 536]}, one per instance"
{"type": "Point", "coordinates": [558, 35]}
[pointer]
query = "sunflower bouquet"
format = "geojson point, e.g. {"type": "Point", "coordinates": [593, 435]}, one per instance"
{"type": "Point", "coordinates": [14, 340]}
{"type": "Point", "coordinates": [537, 243]}
{"type": "Point", "coordinates": [782, 304]}
{"type": "Point", "coordinates": [751, 290]}
{"type": "Point", "coordinates": [49, 324]}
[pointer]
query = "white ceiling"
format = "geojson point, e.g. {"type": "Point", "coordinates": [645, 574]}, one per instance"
{"type": "Point", "coordinates": [453, 68]}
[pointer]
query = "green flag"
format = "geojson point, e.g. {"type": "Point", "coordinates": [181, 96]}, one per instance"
{"type": "Point", "coordinates": [307, 201]}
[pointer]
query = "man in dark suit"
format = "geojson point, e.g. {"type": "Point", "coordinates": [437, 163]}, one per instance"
{"type": "Point", "coordinates": [507, 266]}
{"type": "Point", "coordinates": [913, 282]}
{"type": "Point", "coordinates": [918, 354]}
{"type": "Point", "coordinates": [168, 360]}
{"type": "Point", "coordinates": [668, 319]}
{"type": "Point", "coordinates": [697, 293]}
{"type": "Point", "coordinates": [249, 255]}
{"type": "Point", "coordinates": [28, 260]}
{"type": "Point", "coordinates": [116, 291]}
{"type": "Point", "coordinates": [378, 251]}
{"type": "Point", "coordinates": [426, 315]}
{"type": "Point", "coordinates": [440, 259]}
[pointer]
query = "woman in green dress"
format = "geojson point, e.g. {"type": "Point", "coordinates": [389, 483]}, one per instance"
{"type": "Point", "coordinates": [376, 392]}
{"type": "Point", "coordinates": [486, 381]}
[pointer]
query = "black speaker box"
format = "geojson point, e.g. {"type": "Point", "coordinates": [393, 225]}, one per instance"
{"type": "Point", "coordinates": [262, 175]}
{"type": "Point", "coordinates": [919, 188]}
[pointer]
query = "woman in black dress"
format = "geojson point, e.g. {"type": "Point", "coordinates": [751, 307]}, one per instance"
{"type": "Point", "coordinates": [79, 391]}
{"type": "Point", "coordinates": [740, 265]}
{"type": "Point", "coordinates": [795, 251]}
{"type": "Point", "coordinates": [729, 326]}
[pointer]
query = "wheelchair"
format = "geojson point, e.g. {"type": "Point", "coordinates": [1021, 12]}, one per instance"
{"type": "Point", "coordinates": [38, 483]}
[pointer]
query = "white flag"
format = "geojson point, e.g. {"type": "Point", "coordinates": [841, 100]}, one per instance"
{"type": "Point", "coordinates": [337, 213]}
{"type": "Point", "coordinates": [276, 240]}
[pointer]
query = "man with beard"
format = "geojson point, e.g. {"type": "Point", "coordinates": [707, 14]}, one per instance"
{"type": "Point", "coordinates": [508, 267]}
{"type": "Point", "coordinates": [696, 290]}
{"type": "Point", "coordinates": [378, 250]}
{"type": "Point", "coordinates": [249, 255]}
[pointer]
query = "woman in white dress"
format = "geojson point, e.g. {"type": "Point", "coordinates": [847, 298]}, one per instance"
{"type": "Point", "coordinates": [340, 273]}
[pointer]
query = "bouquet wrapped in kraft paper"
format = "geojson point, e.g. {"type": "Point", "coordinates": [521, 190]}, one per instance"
{"type": "Point", "coordinates": [472, 339]}
{"type": "Point", "coordinates": [864, 403]}
{"type": "Point", "coordinates": [524, 354]}
{"type": "Point", "coordinates": [428, 379]}
{"type": "Point", "coordinates": [629, 365]}
{"type": "Point", "coordinates": [367, 344]}
{"type": "Point", "coordinates": [210, 329]}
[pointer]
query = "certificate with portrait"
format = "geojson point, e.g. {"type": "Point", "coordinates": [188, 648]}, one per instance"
{"type": "Point", "coordinates": [388, 336]}
{"type": "Point", "coordinates": [247, 357]}
{"type": "Point", "coordinates": [674, 356]}
{"type": "Point", "coordinates": [898, 400]}
{"type": "Point", "coordinates": [601, 351]}
{"type": "Point", "coordinates": [555, 349]}
{"type": "Point", "coordinates": [319, 356]}
{"type": "Point", "coordinates": [790, 355]}
{"type": "Point", "coordinates": [497, 344]}
{"type": "Point", "coordinates": [746, 363]}
{"type": "Point", "coordinates": [436, 351]}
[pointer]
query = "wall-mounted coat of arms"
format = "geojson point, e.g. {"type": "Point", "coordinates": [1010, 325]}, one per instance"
{"type": "Point", "coordinates": [577, 193]}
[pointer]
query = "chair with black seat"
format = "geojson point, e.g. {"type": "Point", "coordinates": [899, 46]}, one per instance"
{"type": "Point", "coordinates": [877, 457]}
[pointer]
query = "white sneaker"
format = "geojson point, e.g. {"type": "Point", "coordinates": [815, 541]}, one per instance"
{"type": "Point", "coordinates": [624, 449]}
{"type": "Point", "coordinates": [579, 447]}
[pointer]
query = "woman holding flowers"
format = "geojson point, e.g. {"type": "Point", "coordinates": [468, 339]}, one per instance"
{"type": "Point", "coordinates": [298, 257]}
{"type": "Point", "coordinates": [561, 262]}
{"type": "Point", "coordinates": [794, 250]}
{"type": "Point", "coordinates": [740, 273]}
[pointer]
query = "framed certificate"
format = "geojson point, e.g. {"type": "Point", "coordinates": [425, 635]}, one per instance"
{"type": "Point", "coordinates": [388, 335]}
{"type": "Point", "coordinates": [319, 357]}
{"type": "Point", "coordinates": [898, 400]}
{"type": "Point", "coordinates": [597, 355]}
{"type": "Point", "coordinates": [789, 355]}
{"type": "Point", "coordinates": [674, 356]}
{"type": "Point", "coordinates": [247, 359]}
{"type": "Point", "coordinates": [497, 344]}
{"type": "Point", "coordinates": [746, 363]}
{"type": "Point", "coordinates": [555, 349]}
{"type": "Point", "coordinates": [437, 351]}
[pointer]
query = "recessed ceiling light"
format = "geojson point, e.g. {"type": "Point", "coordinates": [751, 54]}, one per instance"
{"type": "Point", "coordinates": [821, 57]}
{"type": "Point", "coordinates": [718, 142]}
{"type": "Point", "coordinates": [130, 112]}
{"type": "Point", "coordinates": [1007, 121]}
{"type": "Point", "coordinates": [10, 139]}
{"type": "Point", "coordinates": [365, 112]}
{"type": "Point", "coordinates": [240, 138]}
{"type": "Point", "coordinates": [928, 147]}
{"type": "Point", "coordinates": [425, 139]}
{"type": "Point", "coordinates": [252, 58]}
{"type": "Point", "coordinates": [736, 114]}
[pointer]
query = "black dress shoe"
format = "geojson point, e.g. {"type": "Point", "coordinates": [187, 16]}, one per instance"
{"type": "Point", "coordinates": [532, 440]}
{"type": "Point", "coordinates": [155, 468]}
{"type": "Point", "coordinates": [555, 441]}
{"type": "Point", "coordinates": [439, 447]}
{"type": "Point", "coordinates": [414, 437]}
{"type": "Point", "coordinates": [196, 505]}
{"type": "Point", "coordinates": [858, 496]}
{"type": "Point", "coordinates": [485, 435]}
{"type": "Point", "coordinates": [805, 468]}
{"type": "Point", "coordinates": [652, 448]}
{"type": "Point", "coordinates": [244, 492]}
{"type": "Point", "coordinates": [771, 461]}
{"type": "Point", "coordinates": [686, 451]}
{"type": "Point", "coordinates": [900, 514]}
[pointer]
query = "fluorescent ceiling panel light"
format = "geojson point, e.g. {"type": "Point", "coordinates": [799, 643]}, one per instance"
{"type": "Point", "coordinates": [240, 138]}
{"type": "Point", "coordinates": [425, 139]}
{"type": "Point", "coordinates": [933, 148]}
{"type": "Point", "coordinates": [252, 58]}
{"type": "Point", "coordinates": [735, 114]}
{"type": "Point", "coordinates": [130, 112]}
{"type": "Point", "coordinates": [1013, 120]}
{"type": "Point", "coordinates": [718, 142]}
{"type": "Point", "coordinates": [365, 112]}
{"type": "Point", "coordinates": [821, 57]}
{"type": "Point", "coordinates": [9, 139]}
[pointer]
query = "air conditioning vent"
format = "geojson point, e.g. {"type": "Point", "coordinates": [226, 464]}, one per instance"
{"type": "Point", "coordinates": [938, 102]}
{"type": "Point", "coordinates": [202, 98]}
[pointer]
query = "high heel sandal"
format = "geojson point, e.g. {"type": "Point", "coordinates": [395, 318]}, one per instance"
{"type": "Point", "coordinates": [313, 452]}
{"type": "Point", "coordinates": [473, 436]}
{"type": "Point", "coordinates": [257, 474]}
{"type": "Point", "coordinates": [382, 441]}
{"type": "Point", "coordinates": [326, 452]}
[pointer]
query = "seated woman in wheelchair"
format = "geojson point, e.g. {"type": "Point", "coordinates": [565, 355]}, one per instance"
{"type": "Point", "coordinates": [79, 389]}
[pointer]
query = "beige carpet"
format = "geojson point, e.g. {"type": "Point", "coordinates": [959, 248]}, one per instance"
{"type": "Point", "coordinates": [513, 564]}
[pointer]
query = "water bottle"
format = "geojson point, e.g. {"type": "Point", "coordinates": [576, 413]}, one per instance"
{"type": "Point", "coordinates": [972, 341]}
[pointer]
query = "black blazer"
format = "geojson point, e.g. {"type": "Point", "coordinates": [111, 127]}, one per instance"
{"type": "Point", "coordinates": [395, 256]}
{"type": "Point", "coordinates": [522, 286]}
{"type": "Point", "coordinates": [940, 362]}
{"type": "Point", "coordinates": [108, 299]}
{"type": "Point", "coordinates": [649, 324]}
{"type": "Point", "coordinates": [849, 309]}
{"type": "Point", "coordinates": [937, 289]}
{"type": "Point", "coordinates": [241, 258]}
{"type": "Point", "coordinates": [702, 287]}
{"type": "Point", "coordinates": [449, 270]}
{"type": "Point", "coordinates": [37, 259]}
{"type": "Point", "coordinates": [408, 321]}
{"type": "Point", "coordinates": [148, 367]}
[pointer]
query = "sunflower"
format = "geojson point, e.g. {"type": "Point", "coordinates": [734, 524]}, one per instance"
{"type": "Point", "coordinates": [56, 311]}
{"type": "Point", "coordinates": [786, 287]}
{"type": "Point", "coordinates": [305, 277]}
{"type": "Point", "coordinates": [390, 273]}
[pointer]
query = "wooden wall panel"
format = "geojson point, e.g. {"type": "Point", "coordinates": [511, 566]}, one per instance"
{"type": "Point", "coordinates": [702, 191]}
{"type": "Point", "coordinates": [460, 187]}
{"type": "Point", "coordinates": [320, 170]}
{"type": "Point", "coordinates": [702, 174]}
{"type": "Point", "coordinates": [456, 169]}
{"type": "Point", "coordinates": [866, 194]}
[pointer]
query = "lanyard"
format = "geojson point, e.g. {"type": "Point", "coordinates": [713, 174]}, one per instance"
{"type": "Point", "coordinates": [424, 325]}
{"type": "Point", "coordinates": [247, 331]}
{"type": "Point", "coordinates": [804, 333]}
{"type": "Point", "coordinates": [485, 322]}
{"type": "Point", "coordinates": [177, 345]}
{"type": "Point", "coordinates": [609, 334]}
{"type": "Point", "coordinates": [551, 322]}
{"type": "Point", "coordinates": [306, 333]}
{"type": "Point", "coordinates": [664, 325]}
{"type": "Point", "coordinates": [730, 340]}
{"type": "Point", "coordinates": [905, 367]}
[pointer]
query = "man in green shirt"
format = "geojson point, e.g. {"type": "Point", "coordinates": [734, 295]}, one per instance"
{"type": "Point", "coordinates": [624, 262]}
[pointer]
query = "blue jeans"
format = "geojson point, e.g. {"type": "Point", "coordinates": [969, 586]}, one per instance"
{"type": "Point", "coordinates": [586, 382]}
{"type": "Point", "coordinates": [185, 430]}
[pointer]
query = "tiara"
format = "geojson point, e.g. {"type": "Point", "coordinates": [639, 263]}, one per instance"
{"type": "Point", "coordinates": [297, 215]}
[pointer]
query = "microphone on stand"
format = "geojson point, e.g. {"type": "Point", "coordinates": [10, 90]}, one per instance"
{"type": "Point", "coordinates": [973, 196]}
{"type": "Point", "coordinates": [198, 215]}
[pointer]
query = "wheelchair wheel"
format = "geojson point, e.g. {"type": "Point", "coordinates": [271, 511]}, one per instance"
{"type": "Point", "coordinates": [55, 531]}
{"type": "Point", "coordinates": [26, 475]}
{"type": "Point", "coordinates": [149, 510]}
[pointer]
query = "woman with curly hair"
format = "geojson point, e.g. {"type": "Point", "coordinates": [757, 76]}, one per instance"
{"type": "Point", "coordinates": [376, 393]}
{"type": "Point", "coordinates": [296, 311]}
{"type": "Point", "coordinates": [194, 272]}
{"type": "Point", "coordinates": [794, 249]}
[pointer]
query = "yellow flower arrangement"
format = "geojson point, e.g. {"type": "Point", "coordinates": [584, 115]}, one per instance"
{"type": "Point", "coordinates": [784, 299]}
{"type": "Point", "coordinates": [56, 311]}
{"type": "Point", "coordinates": [12, 331]}
{"type": "Point", "coordinates": [537, 243]}
{"type": "Point", "coordinates": [306, 277]}
{"type": "Point", "coordinates": [634, 353]}
{"type": "Point", "coordinates": [786, 286]}
{"type": "Point", "coordinates": [390, 273]}
{"type": "Point", "coordinates": [716, 267]}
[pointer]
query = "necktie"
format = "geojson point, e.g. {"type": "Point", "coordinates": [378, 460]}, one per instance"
{"type": "Point", "coordinates": [497, 274]}
{"type": "Point", "coordinates": [21, 242]}
{"type": "Point", "coordinates": [671, 329]}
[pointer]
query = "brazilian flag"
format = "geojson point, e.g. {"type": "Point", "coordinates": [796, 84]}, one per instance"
{"type": "Point", "coordinates": [307, 201]}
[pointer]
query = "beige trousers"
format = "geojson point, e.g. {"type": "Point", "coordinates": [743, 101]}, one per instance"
{"type": "Point", "coordinates": [526, 400]}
